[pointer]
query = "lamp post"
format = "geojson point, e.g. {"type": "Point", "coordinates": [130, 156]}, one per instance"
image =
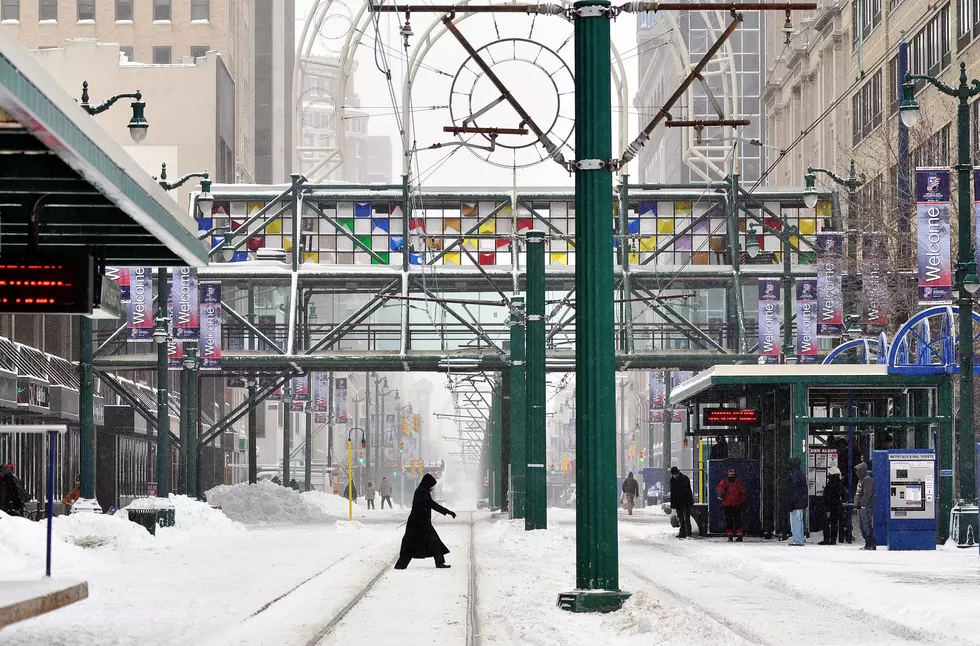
{"type": "Point", "coordinates": [137, 125]}
{"type": "Point", "coordinates": [965, 281]}
{"type": "Point", "coordinates": [350, 470]}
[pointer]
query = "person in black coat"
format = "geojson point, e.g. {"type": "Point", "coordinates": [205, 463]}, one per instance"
{"type": "Point", "coordinates": [12, 493]}
{"type": "Point", "coordinates": [720, 449]}
{"type": "Point", "coordinates": [421, 540]}
{"type": "Point", "coordinates": [681, 500]}
{"type": "Point", "coordinates": [833, 496]}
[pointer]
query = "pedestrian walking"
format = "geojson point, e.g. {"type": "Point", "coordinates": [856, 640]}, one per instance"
{"type": "Point", "coordinates": [719, 451]}
{"type": "Point", "coordinates": [681, 500]}
{"type": "Point", "coordinates": [731, 492]}
{"type": "Point", "coordinates": [348, 492]}
{"type": "Point", "coordinates": [797, 501]}
{"type": "Point", "coordinates": [421, 540]}
{"type": "Point", "coordinates": [631, 489]}
{"type": "Point", "coordinates": [384, 489]}
{"type": "Point", "coordinates": [864, 502]}
{"type": "Point", "coordinates": [833, 496]}
{"type": "Point", "coordinates": [369, 495]}
{"type": "Point", "coordinates": [12, 492]}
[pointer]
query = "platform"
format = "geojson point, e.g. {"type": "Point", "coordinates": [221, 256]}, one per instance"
{"type": "Point", "coordinates": [20, 600]}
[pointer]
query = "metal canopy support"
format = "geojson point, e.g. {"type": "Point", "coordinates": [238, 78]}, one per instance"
{"type": "Point", "coordinates": [597, 553]}
{"type": "Point", "coordinates": [626, 307]}
{"type": "Point", "coordinates": [86, 410]}
{"type": "Point", "coordinates": [163, 376]}
{"type": "Point", "coordinates": [518, 408]}
{"type": "Point", "coordinates": [536, 496]}
{"type": "Point", "coordinates": [193, 420]}
{"type": "Point", "coordinates": [138, 406]}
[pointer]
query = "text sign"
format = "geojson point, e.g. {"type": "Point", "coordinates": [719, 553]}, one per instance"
{"type": "Point", "coordinates": [46, 284]}
{"type": "Point", "coordinates": [729, 416]}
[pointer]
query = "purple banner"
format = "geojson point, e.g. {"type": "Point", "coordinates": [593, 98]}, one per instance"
{"type": "Point", "coordinates": [184, 295]}
{"type": "Point", "coordinates": [976, 206]}
{"type": "Point", "coordinates": [210, 347]}
{"type": "Point", "coordinates": [119, 275]}
{"type": "Point", "coordinates": [932, 221]}
{"type": "Point", "coordinates": [300, 388]}
{"type": "Point", "coordinates": [320, 418]}
{"type": "Point", "coordinates": [769, 343]}
{"type": "Point", "coordinates": [341, 398]}
{"type": "Point", "coordinates": [321, 384]}
{"type": "Point", "coordinates": [806, 320]}
{"type": "Point", "coordinates": [874, 258]}
{"type": "Point", "coordinates": [175, 348]}
{"type": "Point", "coordinates": [830, 295]}
{"type": "Point", "coordinates": [658, 389]}
{"type": "Point", "coordinates": [139, 321]}
{"type": "Point", "coordinates": [297, 407]}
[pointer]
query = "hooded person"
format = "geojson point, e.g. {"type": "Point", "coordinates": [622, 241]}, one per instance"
{"type": "Point", "coordinates": [681, 500]}
{"type": "Point", "coordinates": [864, 502]}
{"type": "Point", "coordinates": [731, 492]}
{"type": "Point", "coordinates": [719, 451]}
{"type": "Point", "coordinates": [421, 540]}
{"type": "Point", "coordinates": [797, 500]}
{"type": "Point", "coordinates": [631, 489]}
{"type": "Point", "coordinates": [12, 492]}
{"type": "Point", "coordinates": [833, 497]}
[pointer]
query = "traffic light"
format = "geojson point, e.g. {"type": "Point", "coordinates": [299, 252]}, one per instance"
{"type": "Point", "coordinates": [404, 426]}
{"type": "Point", "coordinates": [360, 457]}
{"type": "Point", "coordinates": [394, 473]}
{"type": "Point", "coordinates": [551, 468]}
{"type": "Point", "coordinates": [564, 464]}
{"type": "Point", "coordinates": [363, 443]}
{"type": "Point", "coordinates": [416, 422]}
{"type": "Point", "coordinates": [642, 455]}
{"type": "Point", "coordinates": [401, 447]}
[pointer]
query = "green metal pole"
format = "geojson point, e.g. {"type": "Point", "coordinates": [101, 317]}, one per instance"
{"type": "Point", "coordinates": [668, 425]}
{"type": "Point", "coordinates": [181, 481]}
{"type": "Point", "coordinates": [496, 473]}
{"type": "Point", "coordinates": [86, 409]}
{"type": "Point", "coordinates": [308, 456]}
{"type": "Point", "coordinates": [966, 436]}
{"type": "Point", "coordinates": [163, 408]}
{"type": "Point", "coordinates": [787, 280]}
{"type": "Point", "coordinates": [287, 434]}
{"type": "Point", "coordinates": [518, 408]}
{"type": "Point", "coordinates": [194, 450]}
{"type": "Point", "coordinates": [536, 495]}
{"type": "Point", "coordinates": [799, 430]}
{"type": "Point", "coordinates": [597, 552]}
{"type": "Point", "coordinates": [626, 316]}
{"type": "Point", "coordinates": [253, 450]}
{"type": "Point", "coordinates": [945, 450]}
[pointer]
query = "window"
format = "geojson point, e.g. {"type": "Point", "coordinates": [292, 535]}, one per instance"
{"type": "Point", "coordinates": [199, 51]}
{"type": "Point", "coordinates": [86, 9]}
{"type": "Point", "coordinates": [200, 9]}
{"type": "Point", "coordinates": [161, 9]}
{"type": "Point", "coordinates": [866, 108]}
{"type": "Point", "coordinates": [929, 50]}
{"type": "Point", "coordinates": [869, 12]}
{"type": "Point", "coordinates": [47, 9]}
{"type": "Point", "coordinates": [967, 22]}
{"type": "Point", "coordinates": [161, 56]}
{"type": "Point", "coordinates": [128, 53]}
{"type": "Point", "coordinates": [10, 10]}
{"type": "Point", "coordinates": [124, 10]}
{"type": "Point", "coordinates": [895, 84]}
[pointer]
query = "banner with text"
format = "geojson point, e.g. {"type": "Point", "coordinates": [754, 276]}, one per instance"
{"type": "Point", "coordinates": [139, 321]}
{"type": "Point", "coordinates": [830, 295]}
{"type": "Point", "coordinates": [658, 389]}
{"type": "Point", "coordinates": [806, 320]}
{"type": "Point", "coordinates": [175, 348]}
{"type": "Point", "coordinates": [976, 206]}
{"type": "Point", "coordinates": [341, 394]}
{"type": "Point", "coordinates": [120, 275]}
{"type": "Point", "coordinates": [300, 388]}
{"type": "Point", "coordinates": [874, 263]}
{"type": "Point", "coordinates": [932, 220]}
{"type": "Point", "coordinates": [184, 295]}
{"type": "Point", "coordinates": [769, 342]}
{"type": "Point", "coordinates": [210, 347]}
{"type": "Point", "coordinates": [321, 386]}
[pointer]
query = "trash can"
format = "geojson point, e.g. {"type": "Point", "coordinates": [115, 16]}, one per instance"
{"type": "Point", "coordinates": [151, 513]}
{"type": "Point", "coordinates": [963, 525]}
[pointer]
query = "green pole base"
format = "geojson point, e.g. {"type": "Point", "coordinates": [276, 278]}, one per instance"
{"type": "Point", "coordinates": [592, 600]}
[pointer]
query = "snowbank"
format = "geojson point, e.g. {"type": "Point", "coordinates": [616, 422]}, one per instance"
{"type": "Point", "coordinates": [99, 530]}
{"type": "Point", "coordinates": [265, 503]}
{"type": "Point", "coordinates": [23, 544]}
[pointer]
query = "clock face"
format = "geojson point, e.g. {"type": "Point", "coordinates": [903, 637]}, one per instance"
{"type": "Point", "coordinates": [537, 79]}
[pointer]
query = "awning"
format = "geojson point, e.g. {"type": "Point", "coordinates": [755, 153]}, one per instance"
{"type": "Point", "coordinates": [87, 190]}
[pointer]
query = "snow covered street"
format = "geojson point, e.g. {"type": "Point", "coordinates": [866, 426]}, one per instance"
{"type": "Point", "coordinates": [213, 580]}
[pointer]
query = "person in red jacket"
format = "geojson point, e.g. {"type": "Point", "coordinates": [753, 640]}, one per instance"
{"type": "Point", "coordinates": [731, 492]}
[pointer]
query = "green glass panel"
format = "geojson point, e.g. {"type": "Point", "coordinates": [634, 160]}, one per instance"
{"type": "Point", "coordinates": [384, 258]}
{"type": "Point", "coordinates": [347, 223]}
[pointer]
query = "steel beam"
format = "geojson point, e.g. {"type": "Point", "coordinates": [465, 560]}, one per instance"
{"type": "Point", "coordinates": [86, 410]}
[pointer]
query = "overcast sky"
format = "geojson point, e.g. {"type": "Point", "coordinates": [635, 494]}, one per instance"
{"type": "Point", "coordinates": [539, 84]}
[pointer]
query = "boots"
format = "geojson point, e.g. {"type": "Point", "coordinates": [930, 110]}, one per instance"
{"type": "Point", "coordinates": [730, 538]}
{"type": "Point", "coordinates": [738, 539]}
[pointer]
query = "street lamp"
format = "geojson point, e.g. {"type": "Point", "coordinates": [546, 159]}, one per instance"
{"type": "Point", "coordinates": [137, 125]}
{"type": "Point", "coordinates": [966, 268]}
{"type": "Point", "coordinates": [752, 243]}
{"type": "Point", "coordinates": [810, 195]}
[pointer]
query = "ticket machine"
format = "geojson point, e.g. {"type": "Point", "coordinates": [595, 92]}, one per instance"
{"type": "Point", "coordinates": [905, 499]}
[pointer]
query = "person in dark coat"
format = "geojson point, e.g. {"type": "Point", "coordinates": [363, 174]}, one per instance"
{"type": "Point", "coordinates": [720, 449]}
{"type": "Point", "coordinates": [833, 496]}
{"type": "Point", "coordinates": [347, 492]}
{"type": "Point", "coordinates": [631, 489]}
{"type": "Point", "coordinates": [294, 485]}
{"type": "Point", "coordinates": [681, 500]}
{"type": "Point", "coordinates": [421, 540]}
{"type": "Point", "coordinates": [12, 492]}
{"type": "Point", "coordinates": [732, 495]}
{"type": "Point", "coordinates": [797, 500]}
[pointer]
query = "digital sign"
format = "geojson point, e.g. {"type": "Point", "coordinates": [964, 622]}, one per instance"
{"type": "Point", "coordinates": [729, 416]}
{"type": "Point", "coordinates": [46, 284]}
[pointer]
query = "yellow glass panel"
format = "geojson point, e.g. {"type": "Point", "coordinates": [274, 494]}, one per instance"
{"type": "Point", "coordinates": [682, 208]}
{"type": "Point", "coordinates": [634, 258]}
{"type": "Point", "coordinates": [488, 227]}
{"type": "Point", "coordinates": [287, 243]}
{"type": "Point", "coordinates": [311, 256]}
{"type": "Point", "coordinates": [559, 258]}
{"type": "Point", "coordinates": [451, 258]}
{"type": "Point", "coordinates": [274, 227]}
{"type": "Point", "coordinates": [471, 243]}
{"type": "Point", "coordinates": [808, 226]}
{"type": "Point", "coordinates": [665, 225]}
{"type": "Point", "coordinates": [255, 206]}
{"type": "Point", "coordinates": [794, 242]}
{"type": "Point", "coordinates": [824, 209]}
{"type": "Point", "coordinates": [648, 243]}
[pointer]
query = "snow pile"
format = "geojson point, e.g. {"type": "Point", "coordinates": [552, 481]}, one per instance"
{"type": "Point", "coordinates": [98, 530]}
{"type": "Point", "coordinates": [23, 544]}
{"type": "Point", "coordinates": [330, 504]}
{"type": "Point", "coordinates": [200, 517]}
{"type": "Point", "coordinates": [265, 503]}
{"type": "Point", "coordinates": [348, 525]}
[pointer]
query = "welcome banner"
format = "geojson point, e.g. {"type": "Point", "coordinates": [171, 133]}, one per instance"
{"type": "Point", "coordinates": [830, 295]}
{"type": "Point", "coordinates": [175, 348]}
{"type": "Point", "coordinates": [185, 296]}
{"type": "Point", "coordinates": [806, 320]}
{"type": "Point", "coordinates": [874, 256]}
{"type": "Point", "coordinates": [976, 205]}
{"type": "Point", "coordinates": [321, 387]}
{"type": "Point", "coordinates": [341, 394]}
{"type": "Point", "coordinates": [210, 326]}
{"type": "Point", "coordinates": [301, 388]}
{"type": "Point", "coordinates": [119, 275]}
{"type": "Point", "coordinates": [139, 319]}
{"type": "Point", "coordinates": [769, 343]}
{"type": "Point", "coordinates": [932, 221]}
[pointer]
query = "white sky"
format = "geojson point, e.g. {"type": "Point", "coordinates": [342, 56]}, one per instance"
{"type": "Point", "coordinates": [433, 88]}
